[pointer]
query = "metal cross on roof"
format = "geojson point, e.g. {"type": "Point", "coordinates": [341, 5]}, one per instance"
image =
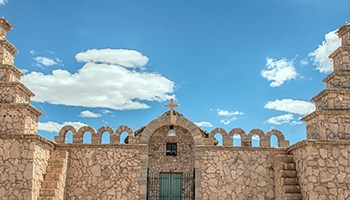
{"type": "Point", "coordinates": [171, 105]}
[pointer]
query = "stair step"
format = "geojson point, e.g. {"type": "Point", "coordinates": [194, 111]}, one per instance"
{"type": "Point", "coordinates": [47, 192]}
{"type": "Point", "coordinates": [289, 181]}
{"type": "Point", "coordinates": [52, 169]}
{"type": "Point", "coordinates": [50, 184]}
{"type": "Point", "coordinates": [289, 173]}
{"type": "Point", "coordinates": [291, 188]}
{"type": "Point", "coordinates": [293, 196]}
{"type": "Point", "coordinates": [288, 166]}
{"type": "Point", "coordinates": [284, 158]}
{"type": "Point", "coordinates": [60, 154]}
{"type": "Point", "coordinates": [46, 198]}
{"type": "Point", "coordinates": [52, 176]}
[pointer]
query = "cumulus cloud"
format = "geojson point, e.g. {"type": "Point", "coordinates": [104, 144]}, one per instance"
{"type": "Point", "coordinates": [33, 52]}
{"type": "Point", "coordinates": [226, 113]}
{"type": "Point", "coordinates": [46, 61]}
{"type": "Point", "coordinates": [228, 120]}
{"type": "Point", "coordinates": [304, 62]}
{"type": "Point", "coordinates": [204, 124]}
{"type": "Point", "coordinates": [89, 114]}
{"type": "Point", "coordinates": [279, 71]}
{"type": "Point", "coordinates": [256, 137]}
{"type": "Point", "coordinates": [54, 127]}
{"type": "Point", "coordinates": [123, 57]}
{"type": "Point", "coordinates": [106, 112]}
{"type": "Point", "coordinates": [282, 119]}
{"type": "Point", "coordinates": [320, 55]}
{"type": "Point", "coordinates": [100, 85]}
{"type": "Point", "coordinates": [290, 105]}
{"type": "Point", "coordinates": [3, 2]}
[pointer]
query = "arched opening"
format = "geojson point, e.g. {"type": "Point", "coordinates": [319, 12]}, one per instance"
{"type": "Point", "coordinates": [273, 141]}
{"type": "Point", "coordinates": [218, 138]}
{"type": "Point", "coordinates": [68, 137]}
{"type": "Point", "coordinates": [87, 138]}
{"type": "Point", "coordinates": [106, 138]}
{"type": "Point", "coordinates": [237, 140]}
{"type": "Point", "coordinates": [255, 140]}
{"type": "Point", "coordinates": [123, 136]}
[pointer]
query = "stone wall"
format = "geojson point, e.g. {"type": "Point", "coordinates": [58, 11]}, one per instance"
{"type": "Point", "coordinates": [103, 172]}
{"type": "Point", "coordinates": [323, 169]}
{"type": "Point", "coordinates": [237, 173]}
{"type": "Point", "coordinates": [23, 161]}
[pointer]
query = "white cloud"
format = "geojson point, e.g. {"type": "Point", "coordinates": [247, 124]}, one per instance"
{"type": "Point", "coordinates": [320, 55]}
{"type": "Point", "coordinates": [304, 62]}
{"type": "Point", "coordinates": [204, 124]}
{"type": "Point", "coordinates": [3, 2]}
{"type": "Point", "coordinates": [256, 137]}
{"type": "Point", "coordinates": [291, 106]}
{"type": "Point", "coordinates": [100, 85]}
{"type": "Point", "coordinates": [279, 71]}
{"type": "Point", "coordinates": [226, 113]}
{"type": "Point", "coordinates": [106, 112]}
{"type": "Point", "coordinates": [33, 52]}
{"type": "Point", "coordinates": [52, 127]}
{"type": "Point", "coordinates": [122, 57]}
{"type": "Point", "coordinates": [228, 121]}
{"type": "Point", "coordinates": [87, 113]}
{"type": "Point", "coordinates": [282, 119]}
{"type": "Point", "coordinates": [46, 61]}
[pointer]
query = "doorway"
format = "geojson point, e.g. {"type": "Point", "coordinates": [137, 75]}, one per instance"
{"type": "Point", "coordinates": [170, 186]}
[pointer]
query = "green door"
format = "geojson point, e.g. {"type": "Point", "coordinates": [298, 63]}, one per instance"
{"type": "Point", "coordinates": [170, 186]}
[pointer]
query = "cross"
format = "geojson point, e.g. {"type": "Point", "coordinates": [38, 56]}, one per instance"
{"type": "Point", "coordinates": [171, 105]}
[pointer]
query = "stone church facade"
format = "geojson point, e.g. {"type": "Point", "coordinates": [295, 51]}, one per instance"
{"type": "Point", "coordinates": [171, 157]}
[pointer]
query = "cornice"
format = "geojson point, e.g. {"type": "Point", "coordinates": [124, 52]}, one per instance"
{"type": "Point", "coordinates": [308, 142]}
{"type": "Point", "coordinates": [18, 85]}
{"type": "Point", "coordinates": [33, 137]}
{"type": "Point", "coordinates": [336, 73]}
{"type": "Point", "coordinates": [7, 24]}
{"type": "Point", "coordinates": [21, 106]}
{"type": "Point", "coordinates": [338, 50]}
{"type": "Point", "coordinates": [325, 112]}
{"type": "Point", "coordinates": [329, 91]}
{"type": "Point", "coordinates": [9, 45]}
{"type": "Point", "coordinates": [12, 67]}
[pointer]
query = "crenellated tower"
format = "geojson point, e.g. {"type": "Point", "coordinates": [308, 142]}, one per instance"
{"type": "Point", "coordinates": [331, 120]}
{"type": "Point", "coordinates": [17, 116]}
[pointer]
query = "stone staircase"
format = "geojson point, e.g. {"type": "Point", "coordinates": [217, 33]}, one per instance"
{"type": "Point", "coordinates": [54, 180]}
{"type": "Point", "coordinates": [287, 174]}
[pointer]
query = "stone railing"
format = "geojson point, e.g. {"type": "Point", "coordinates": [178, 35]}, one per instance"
{"type": "Point", "coordinates": [246, 139]}
{"type": "Point", "coordinates": [96, 136]}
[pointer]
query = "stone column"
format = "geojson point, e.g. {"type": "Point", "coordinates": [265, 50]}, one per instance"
{"type": "Point", "coordinates": [17, 116]}
{"type": "Point", "coordinates": [331, 120]}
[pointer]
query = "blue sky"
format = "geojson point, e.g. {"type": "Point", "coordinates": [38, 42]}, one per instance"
{"type": "Point", "coordinates": [249, 64]}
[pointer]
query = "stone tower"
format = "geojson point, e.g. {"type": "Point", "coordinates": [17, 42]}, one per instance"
{"type": "Point", "coordinates": [17, 115]}
{"type": "Point", "coordinates": [331, 120]}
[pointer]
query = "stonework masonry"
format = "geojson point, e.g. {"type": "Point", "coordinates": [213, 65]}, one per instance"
{"type": "Point", "coordinates": [32, 167]}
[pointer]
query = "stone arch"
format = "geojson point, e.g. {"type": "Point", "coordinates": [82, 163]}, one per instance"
{"type": "Point", "coordinates": [261, 135]}
{"type": "Point", "coordinates": [97, 138]}
{"type": "Point", "coordinates": [225, 137]}
{"type": "Point", "coordinates": [241, 133]}
{"type": "Point", "coordinates": [61, 138]}
{"type": "Point", "coordinates": [280, 137]}
{"type": "Point", "coordinates": [165, 121]}
{"type": "Point", "coordinates": [79, 136]}
{"type": "Point", "coordinates": [122, 129]}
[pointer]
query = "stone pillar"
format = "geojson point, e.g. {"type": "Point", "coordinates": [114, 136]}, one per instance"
{"type": "Point", "coordinates": [331, 120]}
{"type": "Point", "coordinates": [17, 116]}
